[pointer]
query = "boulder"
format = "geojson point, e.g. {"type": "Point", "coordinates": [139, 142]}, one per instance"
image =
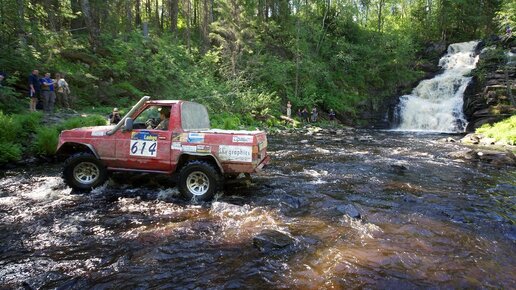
{"type": "Point", "coordinates": [349, 210]}
{"type": "Point", "coordinates": [272, 240]}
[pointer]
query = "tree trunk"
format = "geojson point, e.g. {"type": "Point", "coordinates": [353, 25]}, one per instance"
{"type": "Point", "coordinates": [78, 21]}
{"type": "Point", "coordinates": [148, 10]}
{"type": "Point", "coordinates": [381, 4]}
{"type": "Point", "coordinates": [91, 24]}
{"type": "Point", "coordinates": [188, 20]}
{"type": "Point", "coordinates": [21, 20]}
{"type": "Point", "coordinates": [129, 15]}
{"type": "Point", "coordinates": [138, 13]}
{"type": "Point", "coordinates": [174, 10]}
{"type": "Point", "coordinates": [156, 9]}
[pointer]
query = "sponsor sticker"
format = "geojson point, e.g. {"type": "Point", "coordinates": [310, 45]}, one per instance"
{"type": "Point", "coordinates": [189, 148]}
{"type": "Point", "coordinates": [203, 149]}
{"type": "Point", "coordinates": [195, 138]}
{"type": "Point", "coordinates": [236, 153]}
{"type": "Point", "coordinates": [176, 146]}
{"type": "Point", "coordinates": [98, 133]}
{"type": "Point", "coordinates": [243, 139]}
{"type": "Point", "coordinates": [144, 135]}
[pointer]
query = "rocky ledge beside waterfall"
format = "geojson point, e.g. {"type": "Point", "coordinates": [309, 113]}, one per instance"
{"type": "Point", "coordinates": [490, 96]}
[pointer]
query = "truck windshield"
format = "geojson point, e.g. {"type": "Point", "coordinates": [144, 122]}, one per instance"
{"type": "Point", "coordinates": [194, 117]}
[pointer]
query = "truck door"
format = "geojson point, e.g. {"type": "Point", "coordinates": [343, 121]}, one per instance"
{"type": "Point", "coordinates": [147, 146]}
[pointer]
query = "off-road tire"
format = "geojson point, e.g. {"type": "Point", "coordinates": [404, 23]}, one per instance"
{"type": "Point", "coordinates": [84, 172]}
{"type": "Point", "coordinates": [199, 180]}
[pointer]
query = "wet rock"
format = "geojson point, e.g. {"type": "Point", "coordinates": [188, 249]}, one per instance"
{"type": "Point", "coordinates": [350, 210]}
{"type": "Point", "coordinates": [271, 240]}
{"type": "Point", "coordinates": [398, 168]}
{"type": "Point", "coordinates": [465, 155]}
{"type": "Point", "coordinates": [471, 139]}
{"type": "Point", "coordinates": [303, 141]}
{"type": "Point", "coordinates": [447, 140]}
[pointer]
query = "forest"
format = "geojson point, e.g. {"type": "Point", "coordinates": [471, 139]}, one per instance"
{"type": "Point", "coordinates": [242, 58]}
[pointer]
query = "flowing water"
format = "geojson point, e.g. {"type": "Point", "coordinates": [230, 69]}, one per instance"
{"type": "Point", "coordinates": [436, 104]}
{"type": "Point", "coordinates": [427, 221]}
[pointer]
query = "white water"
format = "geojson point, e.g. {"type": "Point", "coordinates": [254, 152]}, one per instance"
{"type": "Point", "coordinates": [436, 104]}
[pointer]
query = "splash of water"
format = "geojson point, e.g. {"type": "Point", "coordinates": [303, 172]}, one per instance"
{"type": "Point", "coordinates": [436, 104]}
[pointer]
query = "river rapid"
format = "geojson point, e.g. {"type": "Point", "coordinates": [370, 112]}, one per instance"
{"type": "Point", "coordinates": [427, 220]}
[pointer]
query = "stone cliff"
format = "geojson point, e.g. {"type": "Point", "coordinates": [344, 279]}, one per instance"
{"type": "Point", "coordinates": [490, 97]}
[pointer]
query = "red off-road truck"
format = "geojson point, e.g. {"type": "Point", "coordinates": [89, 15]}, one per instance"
{"type": "Point", "coordinates": [162, 137]}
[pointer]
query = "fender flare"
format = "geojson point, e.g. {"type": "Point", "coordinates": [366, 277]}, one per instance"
{"type": "Point", "coordinates": [203, 155]}
{"type": "Point", "coordinates": [89, 146]}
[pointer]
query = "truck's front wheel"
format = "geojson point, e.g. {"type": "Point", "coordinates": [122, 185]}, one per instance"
{"type": "Point", "coordinates": [199, 180]}
{"type": "Point", "coordinates": [84, 172]}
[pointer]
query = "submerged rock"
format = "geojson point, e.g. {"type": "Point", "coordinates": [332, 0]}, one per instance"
{"type": "Point", "coordinates": [398, 168]}
{"type": "Point", "coordinates": [350, 210]}
{"type": "Point", "coordinates": [271, 240]}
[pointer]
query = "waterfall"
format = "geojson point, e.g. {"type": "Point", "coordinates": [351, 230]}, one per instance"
{"type": "Point", "coordinates": [436, 104]}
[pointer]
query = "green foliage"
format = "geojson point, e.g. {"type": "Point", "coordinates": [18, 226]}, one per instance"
{"type": "Point", "coordinates": [78, 122]}
{"type": "Point", "coordinates": [46, 141]}
{"type": "Point", "coordinates": [10, 101]}
{"type": "Point", "coordinates": [504, 131]}
{"type": "Point", "coordinates": [29, 123]}
{"type": "Point", "coordinates": [9, 152]}
{"type": "Point", "coordinates": [10, 128]}
{"type": "Point", "coordinates": [225, 121]}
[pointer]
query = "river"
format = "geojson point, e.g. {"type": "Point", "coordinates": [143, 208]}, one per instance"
{"type": "Point", "coordinates": [426, 221]}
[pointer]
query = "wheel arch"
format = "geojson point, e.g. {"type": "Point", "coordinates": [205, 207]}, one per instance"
{"type": "Point", "coordinates": [186, 157]}
{"type": "Point", "coordinates": [70, 148]}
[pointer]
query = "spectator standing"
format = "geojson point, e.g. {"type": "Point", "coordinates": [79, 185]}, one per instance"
{"type": "Point", "coordinates": [2, 77]}
{"type": "Point", "coordinates": [508, 31]}
{"type": "Point", "coordinates": [34, 90]}
{"type": "Point", "coordinates": [289, 109]}
{"type": "Point", "coordinates": [304, 115]}
{"type": "Point", "coordinates": [63, 92]}
{"type": "Point", "coordinates": [331, 115]}
{"type": "Point", "coordinates": [114, 117]}
{"type": "Point", "coordinates": [49, 95]}
{"type": "Point", "coordinates": [315, 114]}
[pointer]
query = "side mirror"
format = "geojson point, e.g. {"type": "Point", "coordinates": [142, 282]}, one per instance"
{"type": "Point", "coordinates": [128, 124]}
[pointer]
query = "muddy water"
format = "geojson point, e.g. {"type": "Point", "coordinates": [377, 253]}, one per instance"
{"type": "Point", "coordinates": [427, 220]}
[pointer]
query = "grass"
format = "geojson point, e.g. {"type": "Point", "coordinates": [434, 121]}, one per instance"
{"type": "Point", "coordinates": [503, 131]}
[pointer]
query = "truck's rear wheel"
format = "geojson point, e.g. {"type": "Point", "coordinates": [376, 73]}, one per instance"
{"type": "Point", "coordinates": [199, 180]}
{"type": "Point", "coordinates": [83, 172]}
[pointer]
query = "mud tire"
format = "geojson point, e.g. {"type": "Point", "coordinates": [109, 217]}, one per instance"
{"type": "Point", "coordinates": [84, 172]}
{"type": "Point", "coordinates": [199, 180]}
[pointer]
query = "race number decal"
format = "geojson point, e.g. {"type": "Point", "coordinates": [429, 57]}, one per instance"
{"type": "Point", "coordinates": [144, 143]}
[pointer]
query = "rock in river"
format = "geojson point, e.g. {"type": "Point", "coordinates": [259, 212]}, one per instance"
{"type": "Point", "coordinates": [350, 210]}
{"type": "Point", "coordinates": [271, 240]}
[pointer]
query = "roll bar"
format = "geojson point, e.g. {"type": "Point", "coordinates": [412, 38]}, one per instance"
{"type": "Point", "coordinates": [130, 113]}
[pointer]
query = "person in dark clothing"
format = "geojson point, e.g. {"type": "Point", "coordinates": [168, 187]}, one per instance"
{"type": "Point", "coordinates": [332, 115]}
{"type": "Point", "coordinates": [114, 117]}
{"type": "Point", "coordinates": [34, 89]}
{"type": "Point", "coordinates": [304, 115]}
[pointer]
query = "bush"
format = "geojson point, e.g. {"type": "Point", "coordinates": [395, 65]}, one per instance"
{"type": "Point", "coordinates": [225, 121]}
{"type": "Point", "coordinates": [28, 123]}
{"type": "Point", "coordinates": [504, 131]}
{"type": "Point", "coordinates": [46, 141]}
{"type": "Point", "coordinates": [9, 152]}
{"type": "Point", "coordinates": [78, 122]}
{"type": "Point", "coordinates": [10, 129]}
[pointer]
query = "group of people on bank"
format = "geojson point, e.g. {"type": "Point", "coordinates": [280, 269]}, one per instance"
{"type": "Point", "coordinates": [48, 92]}
{"type": "Point", "coordinates": [307, 117]}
